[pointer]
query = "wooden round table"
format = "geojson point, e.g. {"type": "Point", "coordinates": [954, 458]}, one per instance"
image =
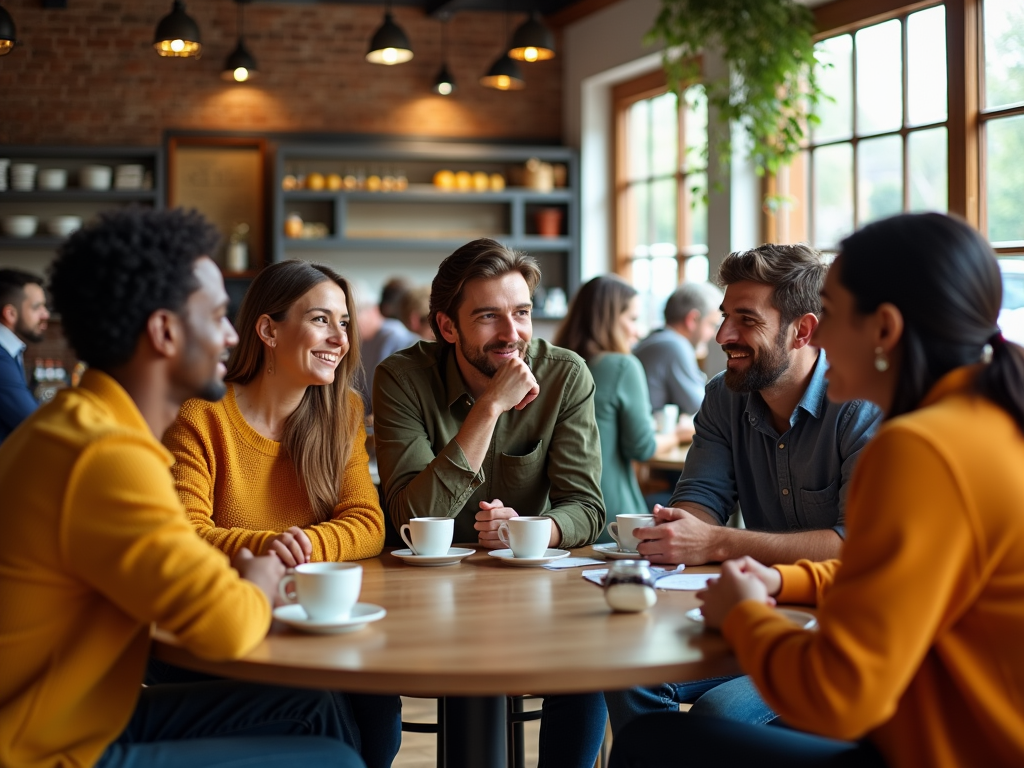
{"type": "Point", "coordinates": [476, 632]}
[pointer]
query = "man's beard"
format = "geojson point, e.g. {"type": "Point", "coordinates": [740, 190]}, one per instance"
{"type": "Point", "coordinates": [27, 334]}
{"type": "Point", "coordinates": [477, 357]}
{"type": "Point", "coordinates": [212, 391]}
{"type": "Point", "coordinates": [765, 368]}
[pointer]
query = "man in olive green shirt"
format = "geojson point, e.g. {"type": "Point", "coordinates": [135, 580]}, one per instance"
{"type": "Point", "coordinates": [485, 424]}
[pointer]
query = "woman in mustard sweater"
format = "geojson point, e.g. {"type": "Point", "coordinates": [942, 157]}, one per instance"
{"type": "Point", "coordinates": [280, 464]}
{"type": "Point", "coordinates": [916, 660]}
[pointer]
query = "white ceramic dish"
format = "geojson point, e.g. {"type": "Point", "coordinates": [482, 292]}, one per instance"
{"type": "Point", "coordinates": [95, 176]}
{"type": "Point", "coordinates": [20, 226]}
{"type": "Point", "coordinates": [62, 226]}
{"type": "Point", "coordinates": [454, 556]}
{"type": "Point", "coordinates": [611, 551]}
{"type": "Point", "coordinates": [52, 178]}
{"type": "Point", "coordinates": [802, 619]}
{"type": "Point", "coordinates": [362, 614]}
{"type": "Point", "coordinates": [506, 556]}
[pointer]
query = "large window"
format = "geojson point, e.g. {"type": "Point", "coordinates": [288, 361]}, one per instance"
{"type": "Point", "coordinates": [661, 181]}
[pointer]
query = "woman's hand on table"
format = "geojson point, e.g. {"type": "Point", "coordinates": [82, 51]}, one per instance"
{"type": "Point", "coordinates": [739, 581]}
{"type": "Point", "coordinates": [291, 546]}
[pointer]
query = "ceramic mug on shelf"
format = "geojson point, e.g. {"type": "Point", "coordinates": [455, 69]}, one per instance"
{"type": "Point", "coordinates": [526, 536]}
{"type": "Point", "coordinates": [429, 536]}
{"type": "Point", "coordinates": [623, 527]}
{"type": "Point", "coordinates": [326, 591]}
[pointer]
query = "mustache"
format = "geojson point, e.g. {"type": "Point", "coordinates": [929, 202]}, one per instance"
{"type": "Point", "coordinates": [497, 346]}
{"type": "Point", "coordinates": [737, 348]}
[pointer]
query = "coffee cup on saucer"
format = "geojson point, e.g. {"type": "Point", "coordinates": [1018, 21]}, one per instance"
{"type": "Point", "coordinates": [622, 530]}
{"type": "Point", "coordinates": [326, 591]}
{"type": "Point", "coordinates": [527, 537]}
{"type": "Point", "coordinates": [429, 536]}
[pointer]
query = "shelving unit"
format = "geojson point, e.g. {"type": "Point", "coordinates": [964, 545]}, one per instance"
{"type": "Point", "coordinates": [73, 200]}
{"type": "Point", "coordinates": [412, 230]}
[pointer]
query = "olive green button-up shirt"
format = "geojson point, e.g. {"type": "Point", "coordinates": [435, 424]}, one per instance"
{"type": "Point", "coordinates": [542, 460]}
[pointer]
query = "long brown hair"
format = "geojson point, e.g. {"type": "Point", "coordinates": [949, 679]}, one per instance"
{"type": "Point", "coordinates": [592, 325]}
{"type": "Point", "coordinates": [318, 436]}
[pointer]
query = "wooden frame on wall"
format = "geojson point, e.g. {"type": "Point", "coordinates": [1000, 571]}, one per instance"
{"type": "Point", "coordinates": [224, 178]}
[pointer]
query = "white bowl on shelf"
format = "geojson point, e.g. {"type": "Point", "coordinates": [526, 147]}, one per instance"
{"type": "Point", "coordinates": [62, 226]}
{"type": "Point", "coordinates": [95, 176]}
{"type": "Point", "coordinates": [23, 176]}
{"type": "Point", "coordinates": [19, 225]}
{"type": "Point", "coordinates": [52, 178]}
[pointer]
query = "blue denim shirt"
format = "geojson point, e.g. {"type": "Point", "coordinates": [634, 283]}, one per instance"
{"type": "Point", "coordinates": [790, 482]}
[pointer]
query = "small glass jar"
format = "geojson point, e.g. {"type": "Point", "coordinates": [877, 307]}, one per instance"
{"type": "Point", "coordinates": [629, 586]}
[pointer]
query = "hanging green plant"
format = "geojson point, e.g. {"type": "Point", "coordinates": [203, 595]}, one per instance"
{"type": "Point", "coordinates": [769, 47]}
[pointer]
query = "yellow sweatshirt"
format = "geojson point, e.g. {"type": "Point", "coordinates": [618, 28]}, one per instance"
{"type": "Point", "coordinates": [95, 547]}
{"type": "Point", "coordinates": [240, 489]}
{"type": "Point", "coordinates": [919, 647]}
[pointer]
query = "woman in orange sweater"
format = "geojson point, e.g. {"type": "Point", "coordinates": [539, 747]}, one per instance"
{"type": "Point", "coordinates": [280, 464]}
{"type": "Point", "coordinates": [916, 661]}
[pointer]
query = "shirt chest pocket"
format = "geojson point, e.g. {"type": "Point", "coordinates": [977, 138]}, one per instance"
{"type": "Point", "coordinates": [819, 509]}
{"type": "Point", "coordinates": [517, 469]}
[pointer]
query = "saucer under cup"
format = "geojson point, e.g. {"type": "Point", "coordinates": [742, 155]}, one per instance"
{"type": "Point", "coordinates": [326, 591]}
{"type": "Point", "coordinates": [429, 536]}
{"type": "Point", "coordinates": [527, 537]}
{"type": "Point", "coordinates": [622, 530]}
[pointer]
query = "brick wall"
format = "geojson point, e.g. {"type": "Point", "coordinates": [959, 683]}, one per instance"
{"type": "Point", "coordinates": [88, 75]}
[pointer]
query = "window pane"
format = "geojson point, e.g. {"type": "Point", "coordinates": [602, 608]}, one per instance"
{"type": "Point", "coordinates": [639, 140]}
{"type": "Point", "coordinates": [926, 66]}
{"type": "Point", "coordinates": [1004, 176]}
{"type": "Point", "coordinates": [927, 157]}
{"type": "Point", "coordinates": [696, 269]}
{"type": "Point", "coordinates": [879, 78]}
{"type": "Point", "coordinates": [696, 210]}
{"type": "Point", "coordinates": [639, 214]}
{"type": "Point", "coordinates": [836, 81]}
{"type": "Point", "coordinates": [1004, 52]}
{"type": "Point", "coordinates": [664, 135]}
{"type": "Point", "coordinates": [663, 198]}
{"type": "Point", "coordinates": [695, 128]}
{"type": "Point", "coordinates": [879, 178]}
{"type": "Point", "coordinates": [833, 194]}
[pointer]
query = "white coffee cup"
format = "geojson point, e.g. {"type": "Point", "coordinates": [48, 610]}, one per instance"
{"type": "Point", "coordinates": [666, 420]}
{"type": "Point", "coordinates": [622, 530]}
{"type": "Point", "coordinates": [326, 591]}
{"type": "Point", "coordinates": [526, 536]}
{"type": "Point", "coordinates": [429, 536]}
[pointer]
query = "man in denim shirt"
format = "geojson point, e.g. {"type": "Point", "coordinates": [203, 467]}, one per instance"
{"type": "Point", "coordinates": [766, 437]}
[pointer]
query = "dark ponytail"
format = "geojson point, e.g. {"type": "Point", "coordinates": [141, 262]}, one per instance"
{"type": "Point", "coordinates": [944, 279]}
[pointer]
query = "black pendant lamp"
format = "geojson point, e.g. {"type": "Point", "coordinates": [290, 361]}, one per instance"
{"type": "Point", "coordinates": [532, 41]}
{"type": "Point", "coordinates": [240, 65]}
{"type": "Point", "coordinates": [504, 75]}
{"type": "Point", "coordinates": [389, 44]}
{"type": "Point", "coordinates": [444, 83]}
{"type": "Point", "coordinates": [8, 34]}
{"type": "Point", "coordinates": [177, 34]}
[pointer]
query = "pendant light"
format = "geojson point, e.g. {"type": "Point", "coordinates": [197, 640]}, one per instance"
{"type": "Point", "coordinates": [7, 32]}
{"type": "Point", "coordinates": [389, 44]}
{"type": "Point", "coordinates": [444, 83]}
{"type": "Point", "coordinates": [532, 41]}
{"type": "Point", "coordinates": [177, 34]}
{"type": "Point", "coordinates": [504, 74]}
{"type": "Point", "coordinates": [240, 65]}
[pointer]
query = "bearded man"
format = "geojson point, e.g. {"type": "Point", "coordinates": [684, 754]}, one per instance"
{"type": "Point", "coordinates": [23, 316]}
{"type": "Point", "coordinates": [486, 424]}
{"type": "Point", "coordinates": [768, 438]}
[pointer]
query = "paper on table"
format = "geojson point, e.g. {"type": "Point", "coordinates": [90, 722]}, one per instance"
{"type": "Point", "coordinates": [675, 581]}
{"type": "Point", "coordinates": [572, 562]}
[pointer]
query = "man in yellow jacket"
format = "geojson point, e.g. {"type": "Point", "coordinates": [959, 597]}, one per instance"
{"type": "Point", "coordinates": [96, 546]}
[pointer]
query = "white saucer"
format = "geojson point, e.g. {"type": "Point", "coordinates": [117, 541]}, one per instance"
{"type": "Point", "coordinates": [506, 556]}
{"type": "Point", "coordinates": [611, 551]}
{"type": "Point", "coordinates": [454, 556]}
{"type": "Point", "coordinates": [362, 614]}
{"type": "Point", "coordinates": [802, 619]}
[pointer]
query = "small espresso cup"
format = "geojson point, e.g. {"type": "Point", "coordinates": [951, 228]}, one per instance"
{"type": "Point", "coordinates": [326, 591]}
{"type": "Point", "coordinates": [526, 536]}
{"type": "Point", "coordinates": [622, 530]}
{"type": "Point", "coordinates": [429, 536]}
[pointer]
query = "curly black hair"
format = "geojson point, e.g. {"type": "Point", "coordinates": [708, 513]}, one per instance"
{"type": "Point", "coordinates": [110, 276]}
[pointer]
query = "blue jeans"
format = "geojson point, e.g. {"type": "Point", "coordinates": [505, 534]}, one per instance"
{"type": "Point", "coordinates": [372, 725]}
{"type": "Point", "coordinates": [673, 739]}
{"type": "Point", "coordinates": [232, 725]}
{"type": "Point", "coordinates": [731, 698]}
{"type": "Point", "coordinates": [571, 730]}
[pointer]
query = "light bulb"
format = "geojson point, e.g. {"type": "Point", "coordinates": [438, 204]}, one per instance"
{"type": "Point", "coordinates": [444, 88]}
{"type": "Point", "coordinates": [177, 45]}
{"type": "Point", "coordinates": [530, 54]}
{"type": "Point", "coordinates": [389, 55]}
{"type": "Point", "coordinates": [241, 74]}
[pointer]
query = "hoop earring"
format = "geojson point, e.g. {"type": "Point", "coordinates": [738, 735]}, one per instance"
{"type": "Point", "coordinates": [881, 361]}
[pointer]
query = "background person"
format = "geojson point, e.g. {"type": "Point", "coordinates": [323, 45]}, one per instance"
{"type": "Point", "coordinates": [601, 327]}
{"type": "Point", "coordinates": [381, 335]}
{"type": "Point", "coordinates": [279, 465]}
{"type": "Point", "coordinates": [916, 661]}
{"type": "Point", "coordinates": [97, 548]}
{"type": "Point", "coordinates": [23, 316]}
